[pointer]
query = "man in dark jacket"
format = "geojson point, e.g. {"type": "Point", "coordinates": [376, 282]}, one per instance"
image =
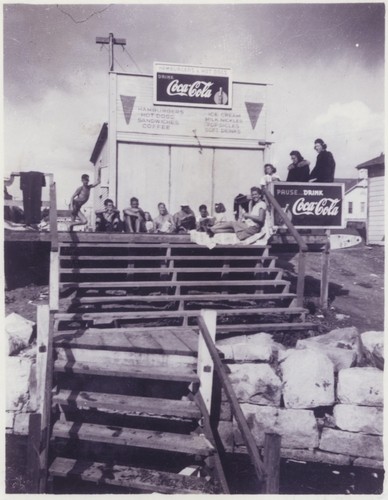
{"type": "Point", "coordinates": [325, 165]}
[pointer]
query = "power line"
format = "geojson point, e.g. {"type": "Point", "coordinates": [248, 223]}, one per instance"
{"type": "Point", "coordinates": [82, 20]}
{"type": "Point", "coordinates": [114, 57]}
{"type": "Point", "coordinates": [133, 60]}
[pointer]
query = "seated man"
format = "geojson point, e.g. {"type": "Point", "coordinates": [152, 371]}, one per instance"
{"type": "Point", "coordinates": [184, 220]}
{"type": "Point", "coordinates": [252, 221]}
{"type": "Point", "coordinates": [204, 220]}
{"type": "Point", "coordinates": [164, 222]}
{"type": "Point", "coordinates": [134, 219]}
{"type": "Point", "coordinates": [108, 220]}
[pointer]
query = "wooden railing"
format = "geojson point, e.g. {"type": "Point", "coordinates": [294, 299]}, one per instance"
{"type": "Point", "coordinates": [299, 240]}
{"type": "Point", "coordinates": [209, 359]}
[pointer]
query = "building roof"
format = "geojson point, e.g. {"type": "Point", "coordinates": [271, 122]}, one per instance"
{"type": "Point", "coordinates": [349, 183]}
{"type": "Point", "coordinates": [100, 143]}
{"type": "Point", "coordinates": [375, 162]}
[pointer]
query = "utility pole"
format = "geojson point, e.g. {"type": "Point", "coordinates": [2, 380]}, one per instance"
{"type": "Point", "coordinates": [111, 41]}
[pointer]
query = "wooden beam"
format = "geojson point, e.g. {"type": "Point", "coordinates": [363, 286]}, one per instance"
{"type": "Point", "coordinates": [205, 367]}
{"type": "Point", "coordinates": [325, 274]}
{"type": "Point", "coordinates": [272, 443]}
{"type": "Point", "coordinates": [33, 454]}
{"type": "Point", "coordinates": [301, 278]}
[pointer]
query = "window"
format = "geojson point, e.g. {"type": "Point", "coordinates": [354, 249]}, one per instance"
{"type": "Point", "coordinates": [350, 207]}
{"type": "Point", "coordinates": [363, 207]}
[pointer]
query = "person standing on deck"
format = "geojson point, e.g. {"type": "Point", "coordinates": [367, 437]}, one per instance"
{"type": "Point", "coordinates": [325, 166]}
{"type": "Point", "coordinates": [80, 197]}
{"type": "Point", "coordinates": [299, 169]}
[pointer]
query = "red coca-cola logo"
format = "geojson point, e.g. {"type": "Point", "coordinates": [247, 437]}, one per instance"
{"type": "Point", "coordinates": [325, 206]}
{"type": "Point", "coordinates": [196, 89]}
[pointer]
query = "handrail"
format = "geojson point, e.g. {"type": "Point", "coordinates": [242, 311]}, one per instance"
{"type": "Point", "coordinates": [230, 394]}
{"type": "Point", "coordinates": [272, 200]}
{"type": "Point", "coordinates": [303, 248]}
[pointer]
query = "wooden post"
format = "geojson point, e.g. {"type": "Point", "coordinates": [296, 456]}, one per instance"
{"type": "Point", "coordinates": [205, 367]}
{"type": "Point", "coordinates": [54, 281]}
{"type": "Point", "coordinates": [272, 462]}
{"type": "Point", "coordinates": [301, 276]}
{"type": "Point", "coordinates": [33, 455]}
{"type": "Point", "coordinates": [324, 298]}
{"type": "Point", "coordinates": [42, 334]}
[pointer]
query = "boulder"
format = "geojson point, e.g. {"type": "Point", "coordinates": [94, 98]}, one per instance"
{"type": "Point", "coordinates": [9, 420]}
{"type": "Point", "coordinates": [298, 428]}
{"type": "Point", "coordinates": [373, 346]}
{"type": "Point", "coordinates": [19, 331]}
{"type": "Point", "coordinates": [254, 347]}
{"type": "Point", "coordinates": [316, 456]}
{"type": "Point", "coordinates": [341, 346]}
{"type": "Point", "coordinates": [256, 383]}
{"type": "Point", "coordinates": [308, 379]}
{"type": "Point", "coordinates": [353, 418]}
{"type": "Point", "coordinates": [225, 431]}
{"type": "Point", "coordinates": [18, 373]}
{"type": "Point", "coordinates": [360, 386]}
{"type": "Point", "coordinates": [261, 419]}
{"type": "Point", "coordinates": [354, 444]}
{"type": "Point", "coordinates": [21, 423]}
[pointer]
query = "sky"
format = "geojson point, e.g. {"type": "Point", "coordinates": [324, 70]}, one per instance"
{"type": "Point", "coordinates": [325, 64]}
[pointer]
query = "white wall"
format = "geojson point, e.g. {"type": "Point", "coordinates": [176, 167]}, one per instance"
{"type": "Point", "coordinates": [376, 230]}
{"type": "Point", "coordinates": [357, 196]}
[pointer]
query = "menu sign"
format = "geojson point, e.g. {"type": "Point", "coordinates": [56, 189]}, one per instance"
{"type": "Point", "coordinates": [182, 85]}
{"type": "Point", "coordinates": [311, 204]}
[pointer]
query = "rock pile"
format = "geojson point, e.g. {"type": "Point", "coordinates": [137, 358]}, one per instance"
{"type": "Point", "coordinates": [325, 397]}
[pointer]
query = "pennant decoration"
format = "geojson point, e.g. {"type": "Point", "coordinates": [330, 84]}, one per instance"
{"type": "Point", "coordinates": [254, 110]}
{"type": "Point", "coordinates": [127, 103]}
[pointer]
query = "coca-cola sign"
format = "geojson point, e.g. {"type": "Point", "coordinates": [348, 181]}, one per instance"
{"type": "Point", "coordinates": [310, 205]}
{"type": "Point", "coordinates": [180, 85]}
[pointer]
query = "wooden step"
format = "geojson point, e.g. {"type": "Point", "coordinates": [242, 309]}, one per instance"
{"type": "Point", "coordinates": [191, 258]}
{"type": "Point", "coordinates": [176, 374]}
{"type": "Point", "coordinates": [167, 341]}
{"type": "Point", "coordinates": [159, 244]}
{"type": "Point", "coordinates": [191, 444]}
{"type": "Point", "coordinates": [244, 328]}
{"type": "Point", "coordinates": [127, 404]}
{"type": "Point", "coordinates": [174, 283]}
{"type": "Point", "coordinates": [110, 316]}
{"type": "Point", "coordinates": [129, 477]}
{"type": "Point", "coordinates": [199, 297]}
{"type": "Point", "coordinates": [168, 270]}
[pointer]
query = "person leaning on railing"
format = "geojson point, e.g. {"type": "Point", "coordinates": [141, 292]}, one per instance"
{"type": "Point", "coordinates": [325, 166]}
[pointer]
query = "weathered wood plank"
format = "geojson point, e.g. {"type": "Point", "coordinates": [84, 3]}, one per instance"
{"type": "Point", "coordinates": [160, 284]}
{"type": "Point", "coordinates": [127, 404]}
{"type": "Point", "coordinates": [210, 257]}
{"type": "Point", "coordinates": [139, 438]}
{"type": "Point", "coordinates": [176, 374]}
{"type": "Point", "coordinates": [129, 477]}
{"type": "Point", "coordinates": [170, 270]}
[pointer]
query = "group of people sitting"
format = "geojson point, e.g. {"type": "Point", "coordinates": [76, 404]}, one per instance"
{"type": "Point", "coordinates": [136, 220]}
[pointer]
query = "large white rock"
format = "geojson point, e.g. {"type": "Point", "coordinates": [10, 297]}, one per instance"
{"type": "Point", "coordinates": [354, 418]}
{"type": "Point", "coordinates": [341, 346]}
{"type": "Point", "coordinates": [373, 344]}
{"type": "Point", "coordinates": [308, 379]}
{"type": "Point", "coordinates": [18, 330]}
{"type": "Point", "coordinates": [355, 444]}
{"type": "Point", "coordinates": [21, 423]}
{"type": "Point", "coordinates": [254, 347]}
{"type": "Point", "coordinates": [18, 374]}
{"type": "Point", "coordinates": [360, 386]}
{"type": "Point", "coordinates": [256, 383]}
{"type": "Point", "coordinates": [297, 428]}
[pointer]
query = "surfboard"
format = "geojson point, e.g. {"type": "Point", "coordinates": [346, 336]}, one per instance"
{"type": "Point", "coordinates": [344, 241]}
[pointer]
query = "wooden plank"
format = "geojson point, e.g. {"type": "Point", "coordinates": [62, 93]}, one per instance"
{"type": "Point", "coordinates": [129, 477]}
{"type": "Point", "coordinates": [170, 270]}
{"type": "Point", "coordinates": [162, 284]}
{"type": "Point", "coordinates": [111, 315]}
{"type": "Point", "coordinates": [33, 454]}
{"type": "Point", "coordinates": [324, 292]}
{"type": "Point", "coordinates": [125, 340]}
{"type": "Point", "coordinates": [176, 374]}
{"type": "Point", "coordinates": [199, 297]}
{"type": "Point", "coordinates": [301, 278]}
{"type": "Point", "coordinates": [42, 335]}
{"type": "Point", "coordinates": [139, 438]}
{"type": "Point", "coordinates": [272, 443]}
{"type": "Point", "coordinates": [54, 281]}
{"type": "Point", "coordinates": [205, 366]}
{"type": "Point", "coordinates": [221, 258]}
{"type": "Point", "coordinates": [127, 404]}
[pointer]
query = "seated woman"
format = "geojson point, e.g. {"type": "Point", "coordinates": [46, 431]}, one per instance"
{"type": "Point", "coordinates": [108, 220]}
{"type": "Point", "coordinates": [252, 220]}
{"type": "Point", "coordinates": [220, 213]}
{"type": "Point", "coordinates": [299, 169]}
{"type": "Point", "coordinates": [204, 220]}
{"type": "Point", "coordinates": [134, 221]}
{"type": "Point", "coordinates": [184, 220]}
{"type": "Point", "coordinates": [149, 223]}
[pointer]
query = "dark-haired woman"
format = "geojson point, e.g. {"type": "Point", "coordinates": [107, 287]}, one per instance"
{"type": "Point", "coordinates": [299, 169]}
{"type": "Point", "coordinates": [325, 166]}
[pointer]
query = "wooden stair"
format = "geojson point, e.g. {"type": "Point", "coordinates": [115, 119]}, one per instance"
{"type": "Point", "coordinates": [126, 407]}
